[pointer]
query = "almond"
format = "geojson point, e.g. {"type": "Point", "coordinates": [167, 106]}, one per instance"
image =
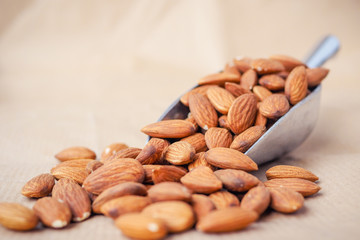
{"type": "Point", "coordinates": [138, 226]}
{"type": "Point", "coordinates": [261, 92]}
{"type": "Point", "coordinates": [296, 85]}
{"type": "Point", "coordinates": [112, 149]}
{"type": "Point", "coordinates": [177, 216]}
{"type": "Point", "coordinates": [153, 151]}
{"type": "Point", "coordinates": [286, 200]}
{"type": "Point", "coordinates": [122, 205]}
{"type": "Point", "coordinates": [129, 152]}
{"type": "Point", "coordinates": [266, 66]}
{"type": "Point", "coordinates": [39, 186]}
{"type": "Point", "coordinates": [199, 160]}
{"type": "Point", "coordinates": [272, 82]}
{"type": "Point", "coordinates": [235, 89]}
{"type": "Point", "coordinates": [15, 216]}
{"type": "Point", "coordinates": [224, 199]}
{"type": "Point", "coordinates": [242, 113]}
{"type": "Point", "coordinates": [227, 220]}
{"type": "Point", "coordinates": [236, 180]}
{"type": "Point", "coordinates": [288, 62]}
{"type": "Point", "coordinates": [180, 153]}
{"type": "Point", "coordinates": [190, 118]}
{"type": "Point", "coordinates": [77, 174]}
{"type": "Point", "coordinates": [52, 213]}
{"type": "Point", "coordinates": [247, 138]}
{"type": "Point", "coordinates": [202, 205]}
{"type": "Point", "coordinates": [274, 106]}
{"type": "Point", "coordinates": [92, 166]}
{"type": "Point", "coordinates": [256, 199]}
{"type": "Point", "coordinates": [231, 68]}
{"type": "Point", "coordinates": [201, 90]}
{"type": "Point", "coordinates": [122, 189]}
{"type": "Point", "coordinates": [230, 158]}
{"type": "Point", "coordinates": [249, 79]}
{"type": "Point", "coordinates": [168, 174]}
{"type": "Point", "coordinates": [197, 140]}
{"type": "Point", "coordinates": [201, 180]}
{"type": "Point", "coordinates": [260, 120]}
{"type": "Point", "coordinates": [242, 63]}
{"type": "Point", "coordinates": [219, 78]}
{"type": "Point", "coordinates": [220, 99]}
{"type": "Point", "coordinates": [113, 173]}
{"type": "Point", "coordinates": [302, 186]}
{"type": "Point", "coordinates": [203, 111]}
{"type": "Point", "coordinates": [286, 171]}
{"type": "Point", "coordinates": [167, 191]}
{"type": "Point", "coordinates": [223, 122]}
{"type": "Point", "coordinates": [316, 75]}
{"type": "Point", "coordinates": [73, 153]}
{"type": "Point", "coordinates": [169, 129]}
{"type": "Point", "coordinates": [218, 137]}
{"type": "Point", "coordinates": [68, 191]}
{"type": "Point", "coordinates": [149, 169]}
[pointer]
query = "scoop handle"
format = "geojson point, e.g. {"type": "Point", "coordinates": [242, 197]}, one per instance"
{"type": "Point", "coordinates": [325, 50]}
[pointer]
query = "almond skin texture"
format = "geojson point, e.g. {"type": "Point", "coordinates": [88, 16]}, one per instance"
{"type": "Point", "coordinates": [274, 106]}
{"type": "Point", "coordinates": [230, 158]}
{"type": "Point", "coordinates": [168, 174]}
{"type": "Point", "coordinates": [247, 138]}
{"type": "Point", "coordinates": [272, 82]}
{"type": "Point", "coordinates": [201, 90]}
{"type": "Point", "coordinates": [113, 173]}
{"type": "Point", "coordinates": [224, 199]}
{"type": "Point", "coordinates": [223, 122]}
{"type": "Point", "coordinates": [256, 199]}
{"type": "Point", "coordinates": [149, 169]}
{"type": "Point", "coordinates": [236, 180]}
{"type": "Point", "coordinates": [39, 186]}
{"type": "Point", "coordinates": [180, 153]}
{"type": "Point", "coordinates": [242, 113]}
{"type": "Point", "coordinates": [203, 111]}
{"type": "Point", "coordinates": [231, 68]}
{"type": "Point", "coordinates": [69, 192]}
{"type": "Point", "coordinates": [52, 213]}
{"type": "Point", "coordinates": [202, 205]}
{"type": "Point", "coordinates": [296, 85]}
{"type": "Point", "coordinates": [130, 152]}
{"type": "Point", "coordinates": [77, 174]}
{"type": "Point", "coordinates": [169, 129]}
{"type": "Point", "coordinates": [153, 151]}
{"type": "Point", "coordinates": [92, 166]}
{"type": "Point", "coordinates": [235, 89]}
{"type": "Point", "coordinates": [167, 191]}
{"type": "Point", "coordinates": [218, 137]}
{"type": "Point", "coordinates": [177, 216]}
{"type": "Point", "coordinates": [197, 141]}
{"type": "Point", "coordinates": [219, 78]}
{"type": "Point", "coordinates": [126, 204]}
{"type": "Point", "coordinates": [260, 120]}
{"type": "Point", "coordinates": [266, 66]}
{"type": "Point", "coordinates": [249, 79]}
{"type": "Point", "coordinates": [15, 216]}
{"type": "Point", "coordinates": [288, 62]}
{"type": "Point", "coordinates": [120, 190]}
{"type": "Point", "coordinates": [73, 153]}
{"type": "Point", "coordinates": [220, 99]}
{"type": "Point", "coordinates": [302, 186]}
{"type": "Point", "coordinates": [286, 171]}
{"type": "Point", "coordinates": [316, 75]}
{"type": "Point", "coordinates": [285, 200]}
{"type": "Point", "coordinates": [199, 160]}
{"type": "Point", "coordinates": [226, 220]}
{"type": "Point", "coordinates": [242, 64]}
{"type": "Point", "coordinates": [112, 149]}
{"type": "Point", "coordinates": [138, 226]}
{"type": "Point", "coordinates": [261, 92]}
{"type": "Point", "coordinates": [201, 180]}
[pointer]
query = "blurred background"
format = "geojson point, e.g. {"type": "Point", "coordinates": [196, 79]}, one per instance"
{"type": "Point", "coordinates": [95, 72]}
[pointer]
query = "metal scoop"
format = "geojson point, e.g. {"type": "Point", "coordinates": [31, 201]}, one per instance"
{"type": "Point", "coordinates": [295, 126]}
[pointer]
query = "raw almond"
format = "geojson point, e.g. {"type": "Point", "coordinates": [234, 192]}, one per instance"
{"type": "Point", "coordinates": [249, 79]}
{"type": "Point", "coordinates": [272, 82]}
{"type": "Point", "coordinates": [92, 166]}
{"type": "Point", "coordinates": [288, 62]}
{"type": "Point", "coordinates": [15, 216]}
{"type": "Point", "coordinates": [247, 138]}
{"type": "Point", "coordinates": [168, 174]}
{"type": "Point", "coordinates": [256, 199]}
{"type": "Point", "coordinates": [266, 66]}
{"type": "Point", "coordinates": [178, 216]}
{"type": "Point", "coordinates": [286, 200]}
{"type": "Point", "coordinates": [296, 85]}
{"type": "Point", "coordinates": [122, 205]}
{"type": "Point", "coordinates": [203, 111]}
{"type": "Point", "coordinates": [201, 90]}
{"type": "Point", "coordinates": [153, 151]}
{"type": "Point", "coordinates": [149, 169]}
{"type": "Point", "coordinates": [122, 189]}
{"type": "Point", "coordinates": [139, 226]}
{"type": "Point", "coordinates": [316, 75]}
{"type": "Point", "coordinates": [199, 160]}
{"type": "Point", "coordinates": [235, 89]}
{"type": "Point", "coordinates": [113, 173]}
{"type": "Point", "coordinates": [129, 152]}
{"type": "Point", "coordinates": [201, 180]}
{"type": "Point", "coordinates": [112, 149]}
{"type": "Point", "coordinates": [274, 106]}
{"type": "Point", "coordinates": [223, 122]}
{"type": "Point", "coordinates": [180, 153]}
{"type": "Point", "coordinates": [302, 186]}
{"type": "Point", "coordinates": [167, 191]}
{"type": "Point", "coordinates": [261, 92]}
{"type": "Point", "coordinates": [190, 118]}
{"type": "Point", "coordinates": [77, 174]}
{"type": "Point", "coordinates": [230, 158]}
{"type": "Point", "coordinates": [218, 137]}
{"type": "Point", "coordinates": [52, 213]}
{"type": "Point", "coordinates": [224, 199]}
{"type": "Point", "coordinates": [73, 153]}
{"type": "Point", "coordinates": [197, 140]}
{"type": "Point", "coordinates": [236, 180]}
{"type": "Point", "coordinates": [242, 63]}
{"type": "Point", "coordinates": [202, 205]}
{"type": "Point", "coordinates": [231, 68]}
{"type": "Point", "coordinates": [39, 186]}
{"type": "Point", "coordinates": [220, 99]}
{"type": "Point", "coordinates": [68, 191]}
{"type": "Point", "coordinates": [219, 78]}
{"type": "Point", "coordinates": [226, 220]}
{"type": "Point", "coordinates": [286, 171]}
{"type": "Point", "coordinates": [169, 129]}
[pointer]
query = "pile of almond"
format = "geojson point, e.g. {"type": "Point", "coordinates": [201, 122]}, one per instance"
{"type": "Point", "coordinates": [193, 171]}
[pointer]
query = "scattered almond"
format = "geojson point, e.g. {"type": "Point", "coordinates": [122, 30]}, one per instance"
{"type": "Point", "coordinates": [203, 111]}
{"type": "Point", "coordinates": [39, 186]}
{"type": "Point", "coordinates": [201, 180]}
{"type": "Point", "coordinates": [167, 191]}
{"type": "Point", "coordinates": [256, 199]}
{"type": "Point", "coordinates": [168, 174]}
{"type": "Point", "coordinates": [73, 153]}
{"type": "Point", "coordinates": [285, 200]}
{"type": "Point", "coordinates": [302, 186]}
{"type": "Point", "coordinates": [224, 199]}
{"type": "Point", "coordinates": [236, 180]}
{"type": "Point", "coordinates": [52, 213]}
{"type": "Point", "coordinates": [286, 171]}
{"type": "Point", "coordinates": [112, 149]}
{"type": "Point", "coordinates": [15, 216]}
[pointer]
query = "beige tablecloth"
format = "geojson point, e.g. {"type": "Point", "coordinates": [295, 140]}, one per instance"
{"type": "Point", "coordinates": [91, 73]}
